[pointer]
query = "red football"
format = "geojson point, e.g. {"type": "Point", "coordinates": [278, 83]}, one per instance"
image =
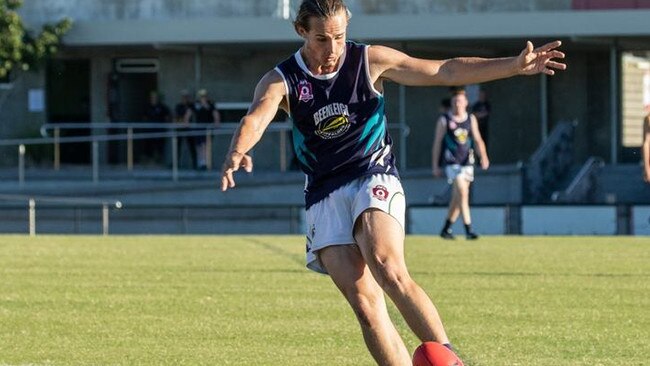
{"type": "Point", "coordinates": [435, 354]}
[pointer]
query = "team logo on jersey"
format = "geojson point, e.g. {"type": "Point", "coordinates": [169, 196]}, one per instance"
{"type": "Point", "coordinates": [306, 94]}
{"type": "Point", "coordinates": [332, 120]}
{"type": "Point", "coordinates": [380, 192]}
{"type": "Point", "coordinates": [461, 134]}
{"type": "Point", "coordinates": [333, 127]}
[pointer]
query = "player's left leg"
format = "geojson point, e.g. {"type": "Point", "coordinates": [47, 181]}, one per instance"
{"type": "Point", "coordinates": [381, 241]}
{"type": "Point", "coordinates": [463, 189]}
{"type": "Point", "coordinates": [463, 198]}
{"type": "Point", "coordinates": [349, 272]}
{"type": "Point", "coordinates": [452, 213]}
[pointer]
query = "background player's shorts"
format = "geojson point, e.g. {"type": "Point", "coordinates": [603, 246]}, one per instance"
{"type": "Point", "coordinates": [463, 171]}
{"type": "Point", "coordinates": [331, 221]}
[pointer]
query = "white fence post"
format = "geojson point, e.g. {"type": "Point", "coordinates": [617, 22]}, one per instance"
{"type": "Point", "coordinates": [32, 217]}
{"type": "Point", "coordinates": [21, 165]}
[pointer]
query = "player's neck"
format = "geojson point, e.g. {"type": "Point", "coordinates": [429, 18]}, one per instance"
{"type": "Point", "coordinates": [458, 116]}
{"type": "Point", "coordinates": [314, 67]}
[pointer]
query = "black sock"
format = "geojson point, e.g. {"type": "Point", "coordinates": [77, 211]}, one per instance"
{"type": "Point", "coordinates": [447, 227]}
{"type": "Point", "coordinates": [448, 345]}
{"type": "Point", "coordinates": [468, 228]}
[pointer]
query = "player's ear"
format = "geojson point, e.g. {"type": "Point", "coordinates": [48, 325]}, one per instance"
{"type": "Point", "coordinates": [302, 32]}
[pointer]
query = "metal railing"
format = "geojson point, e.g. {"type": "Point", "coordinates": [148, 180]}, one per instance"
{"type": "Point", "coordinates": [582, 187]}
{"type": "Point", "coordinates": [549, 163]}
{"type": "Point", "coordinates": [52, 135]}
{"type": "Point", "coordinates": [70, 202]}
{"type": "Point", "coordinates": [174, 131]}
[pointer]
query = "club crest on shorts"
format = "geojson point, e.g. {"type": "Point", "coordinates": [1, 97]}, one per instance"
{"type": "Point", "coordinates": [380, 192]}
{"type": "Point", "coordinates": [305, 90]}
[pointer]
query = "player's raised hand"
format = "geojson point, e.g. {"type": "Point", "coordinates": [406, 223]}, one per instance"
{"type": "Point", "coordinates": [234, 161]}
{"type": "Point", "coordinates": [541, 59]}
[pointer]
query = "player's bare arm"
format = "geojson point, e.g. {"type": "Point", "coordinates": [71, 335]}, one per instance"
{"type": "Point", "coordinates": [269, 96]}
{"type": "Point", "coordinates": [437, 146]}
{"type": "Point", "coordinates": [391, 64]}
{"type": "Point", "coordinates": [485, 161]}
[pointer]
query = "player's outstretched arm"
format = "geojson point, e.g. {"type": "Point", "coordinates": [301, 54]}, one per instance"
{"type": "Point", "coordinates": [269, 94]}
{"type": "Point", "coordinates": [397, 66]}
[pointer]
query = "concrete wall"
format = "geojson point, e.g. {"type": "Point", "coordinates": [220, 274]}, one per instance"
{"type": "Point", "coordinates": [15, 118]}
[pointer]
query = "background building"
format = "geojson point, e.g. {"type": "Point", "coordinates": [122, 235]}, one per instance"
{"type": "Point", "coordinates": [118, 51]}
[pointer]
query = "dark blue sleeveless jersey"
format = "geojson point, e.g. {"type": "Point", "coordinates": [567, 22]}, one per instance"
{"type": "Point", "coordinates": [339, 128]}
{"type": "Point", "coordinates": [458, 144]}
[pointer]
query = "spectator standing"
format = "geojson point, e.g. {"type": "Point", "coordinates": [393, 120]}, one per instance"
{"type": "Point", "coordinates": [204, 111]}
{"type": "Point", "coordinates": [184, 105]}
{"type": "Point", "coordinates": [155, 112]}
{"type": "Point", "coordinates": [481, 109]}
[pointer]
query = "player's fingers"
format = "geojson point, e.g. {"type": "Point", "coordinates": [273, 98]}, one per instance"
{"type": "Point", "coordinates": [227, 180]}
{"type": "Point", "coordinates": [549, 72]}
{"type": "Point", "coordinates": [555, 54]}
{"type": "Point", "coordinates": [247, 163]}
{"type": "Point", "coordinates": [224, 183]}
{"type": "Point", "coordinates": [556, 65]}
{"type": "Point", "coordinates": [529, 47]}
{"type": "Point", "coordinates": [549, 46]}
{"type": "Point", "coordinates": [231, 180]}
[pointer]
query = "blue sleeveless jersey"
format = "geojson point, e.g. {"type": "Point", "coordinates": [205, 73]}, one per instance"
{"type": "Point", "coordinates": [339, 129]}
{"type": "Point", "coordinates": [458, 144]}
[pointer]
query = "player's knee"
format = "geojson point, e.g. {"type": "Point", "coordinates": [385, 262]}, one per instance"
{"type": "Point", "coordinates": [393, 278]}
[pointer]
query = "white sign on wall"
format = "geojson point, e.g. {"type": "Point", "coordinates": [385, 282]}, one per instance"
{"type": "Point", "coordinates": [568, 220]}
{"type": "Point", "coordinates": [429, 220]}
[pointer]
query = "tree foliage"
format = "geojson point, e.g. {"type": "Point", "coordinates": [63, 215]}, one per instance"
{"type": "Point", "coordinates": [20, 47]}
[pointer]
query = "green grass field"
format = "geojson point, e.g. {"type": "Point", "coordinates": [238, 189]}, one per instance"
{"type": "Point", "coordinates": [247, 300]}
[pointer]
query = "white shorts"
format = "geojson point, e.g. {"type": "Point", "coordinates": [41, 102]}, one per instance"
{"type": "Point", "coordinates": [463, 171]}
{"type": "Point", "coordinates": [331, 220]}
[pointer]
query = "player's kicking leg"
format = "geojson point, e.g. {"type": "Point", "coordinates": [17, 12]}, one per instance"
{"type": "Point", "coordinates": [349, 272]}
{"type": "Point", "coordinates": [381, 241]}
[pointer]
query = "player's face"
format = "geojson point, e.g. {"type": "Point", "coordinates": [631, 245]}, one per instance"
{"type": "Point", "coordinates": [459, 103]}
{"type": "Point", "coordinates": [325, 40]}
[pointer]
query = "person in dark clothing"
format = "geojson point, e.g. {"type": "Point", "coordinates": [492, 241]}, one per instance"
{"type": "Point", "coordinates": [457, 136]}
{"type": "Point", "coordinates": [155, 112]}
{"type": "Point", "coordinates": [481, 110]}
{"type": "Point", "coordinates": [203, 111]}
{"type": "Point", "coordinates": [183, 106]}
{"type": "Point", "coordinates": [333, 90]}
